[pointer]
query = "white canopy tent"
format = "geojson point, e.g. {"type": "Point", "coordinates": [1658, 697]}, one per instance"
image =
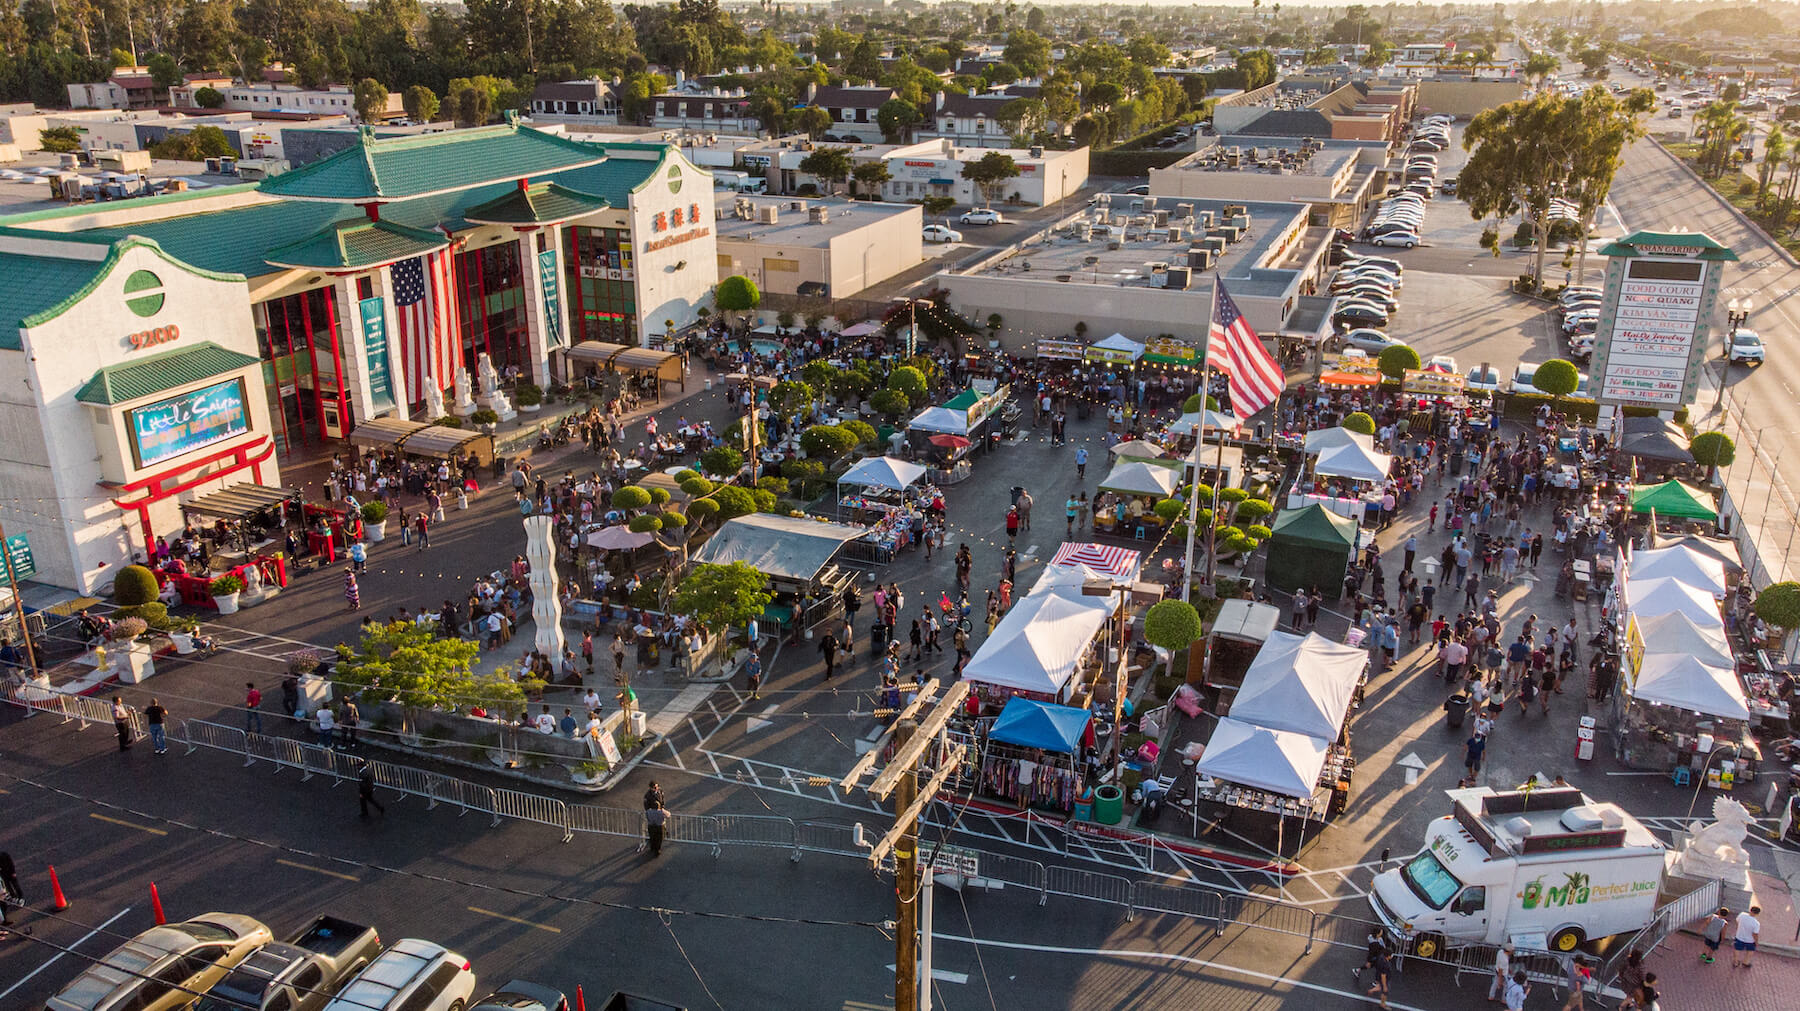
{"type": "Point", "coordinates": [1320, 440]}
{"type": "Point", "coordinates": [781, 547]}
{"type": "Point", "coordinates": [1355, 461]}
{"type": "Point", "coordinates": [1683, 564]}
{"type": "Point", "coordinates": [1684, 682]}
{"type": "Point", "coordinates": [1649, 598]}
{"type": "Point", "coordinates": [1277, 761]}
{"type": "Point", "coordinates": [1039, 643]}
{"type": "Point", "coordinates": [1208, 420]}
{"type": "Point", "coordinates": [940, 419]}
{"type": "Point", "coordinates": [888, 472]}
{"type": "Point", "coordinates": [1137, 477]}
{"type": "Point", "coordinates": [1076, 564]}
{"type": "Point", "coordinates": [1679, 634]}
{"type": "Point", "coordinates": [1300, 683]}
{"type": "Point", "coordinates": [1119, 344]}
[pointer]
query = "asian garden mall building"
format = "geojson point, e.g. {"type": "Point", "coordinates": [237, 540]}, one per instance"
{"type": "Point", "coordinates": [159, 349]}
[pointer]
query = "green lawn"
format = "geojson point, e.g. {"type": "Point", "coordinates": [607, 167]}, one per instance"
{"type": "Point", "coordinates": [1740, 190]}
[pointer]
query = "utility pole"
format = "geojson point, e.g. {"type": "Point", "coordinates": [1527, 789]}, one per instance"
{"type": "Point", "coordinates": [912, 739]}
{"type": "Point", "coordinates": [12, 582]}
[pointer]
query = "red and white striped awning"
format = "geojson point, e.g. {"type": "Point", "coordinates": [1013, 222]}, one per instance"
{"type": "Point", "coordinates": [1101, 559]}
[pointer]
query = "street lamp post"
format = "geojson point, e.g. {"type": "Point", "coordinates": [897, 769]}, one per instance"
{"type": "Point", "coordinates": [1700, 778]}
{"type": "Point", "coordinates": [1737, 313]}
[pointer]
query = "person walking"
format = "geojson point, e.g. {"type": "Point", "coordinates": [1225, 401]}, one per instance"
{"type": "Point", "coordinates": [422, 527]}
{"type": "Point", "coordinates": [252, 708]}
{"type": "Point", "coordinates": [1081, 459]}
{"type": "Point", "coordinates": [1412, 551]}
{"type": "Point", "coordinates": [1070, 508]}
{"type": "Point", "coordinates": [1579, 981]}
{"type": "Point", "coordinates": [587, 651]}
{"type": "Point", "coordinates": [1012, 524]}
{"type": "Point", "coordinates": [1743, 942]}
{"type": "Point", "coordinates": [1024, 507]}
{"type": "Point", "coordinates": [1516, 991]}
{"type": "Point", "coordinates": [1477, 746]}
{"type": "Point", "coordinates": [753, 676]}
{"type": "Point", "coordinates": [1313, 600]}
{"type": "Point", "coordinates": [1377, 944]}
{"type": "Point", "coordinates": [656, 821]}
{"type": "Point", "coordinates": [121, 714]}
{"type": "Point", "coordinates": [359, 557]}
{"type": "Point", "coordinates": [1299, 608]}
{"type": "Point", "coordinates": [352, 594]}
{"type": "Point", "coordinates": [11, 893]}
{"type": "Point", "coordinates": [828, 648]}
{"type": "Point", "coordinates": [964, 563]}
{"type": "Point", "coordinates": [1502, 970]}
{"type": "Point", "coordinates": [1383, 968]}
{"type": "Point", "coordinates": [154, 716]}
{"type": "Point", "coordinates": [348, 722]}
{"type": "Point", "coordinates": [365, 791]}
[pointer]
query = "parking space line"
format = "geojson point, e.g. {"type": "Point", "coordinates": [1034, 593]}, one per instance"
{"type": "Point", "coordinates": [514, 919]}
{"type": "Point", "coordinates": [318, 870]}
{"type": "Point", "coordinates": [53, 958]}
{"type": "Point", "coordinates": [126, 824]}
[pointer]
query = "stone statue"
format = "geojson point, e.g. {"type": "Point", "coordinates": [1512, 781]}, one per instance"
{"type": "Point", "coordinates": [546, 608]}
{"type": "Point", "coordinates": [1716, 852]}
{"type": "Point", "coordinates": [490, 379]}
{"type": "Point", "coordinates": [434, 400]}
{"type": "Point", "coordinates": [496, 401]}
{"type": "Point", "coordinates": [465, 400]}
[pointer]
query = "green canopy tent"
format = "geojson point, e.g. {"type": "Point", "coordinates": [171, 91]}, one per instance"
{"type": "Point", "coordinates": [1310, 547]}
{"type": "Point", "coordinates": [1673, 500]}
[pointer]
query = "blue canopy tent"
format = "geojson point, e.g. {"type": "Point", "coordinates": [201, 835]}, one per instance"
{"type": "Point", "coordinates": [1017, 762]}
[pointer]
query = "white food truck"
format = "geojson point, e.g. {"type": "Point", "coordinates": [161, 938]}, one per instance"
{"type": "Point", "coordinates": [1547, 869]}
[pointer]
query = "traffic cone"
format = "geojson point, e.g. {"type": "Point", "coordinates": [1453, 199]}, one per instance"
{"type": "Point", "coordinates": [580, 1001]}
{"type": "Point", "coordinates": [57, 902]}
{"type": "Point", "coordinates": [156, 904]}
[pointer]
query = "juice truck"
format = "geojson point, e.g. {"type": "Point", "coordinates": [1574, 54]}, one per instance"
{"type": "Point", "coordinates": [1547, 869]}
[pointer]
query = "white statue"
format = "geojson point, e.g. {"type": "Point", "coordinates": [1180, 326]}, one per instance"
{"type": "Point", "coordinates": [490, 379]}
{"type": "Point", "coordinates": [434, 400]}
{"type": "Point", "coordinates": [546, 609]}
{"type": "Point", "coordinates": [465, 399]}
{"type": "Point", "coordinates": [1716, 851]}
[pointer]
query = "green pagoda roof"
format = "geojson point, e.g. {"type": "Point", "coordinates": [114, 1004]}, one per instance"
{"type": "Point", "coordinates": [157, 373]}
{"type": "Point", "coordinates": [1646, 243]}
{"type": "Point", "coordinates": [398, 168]}
{"type": "Point", "coordinates": [541, 203]}
{"type": "Point", "coordinates": [358, 244]}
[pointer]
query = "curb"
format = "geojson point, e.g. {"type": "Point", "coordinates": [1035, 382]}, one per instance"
{"type": "Point", "coordinates": [1780, 250]}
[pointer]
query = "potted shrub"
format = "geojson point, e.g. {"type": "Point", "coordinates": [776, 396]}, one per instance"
{"type": "Point", "coordinates": [226, 588]}
{"type": "Point", "coordinates": [127, 630]}
{"type": "Point", "coordinates": [374, 516]}
{"type": "Point", "coordinates": [182, 635]}
{"type": "Point", "coordinates": [529, 397]}
{"type": "Point", "coordinates": [486, 418]}
{"type": "Point", "coordinates": [589, 773]}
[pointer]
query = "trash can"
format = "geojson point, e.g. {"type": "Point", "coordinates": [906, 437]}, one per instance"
{"type": "Point", "coordinates": [1109, 805]}
{"type": "Point", "coordinates": [1084, 807]}
{"type": "Point", "coordinates": [877, 638]}
{"type": "Point", "coordinates": [638, 721]}
{"type": "Point", "coordinates": [1456, 708]}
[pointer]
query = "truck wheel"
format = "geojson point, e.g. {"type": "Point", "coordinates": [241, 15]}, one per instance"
{"type": "Point", "coordinates": [1567, 939]}
{"type": "Point", "coordinates": [1428, 945]}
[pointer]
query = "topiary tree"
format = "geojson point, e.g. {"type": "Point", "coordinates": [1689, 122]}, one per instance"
{"type": "Point", "coordinates": [853, 383]}
{"type": "Point", "coordinates": [1168, 509]}
{"type": "Point", "coordinates": [804, 476]}
{"type": "Point", "coordinates": [696, 487]}
{"type": "Point", "coordinates": [645, 524]}
{"type": "Point", "coordinates": [1359, 422]}
{"type": "Point", "coordinates": [791, 396]}
{"type": "Point", "coordinates": [771, 484]}
{"type": "Point", "coordinates": [410, 665]}
{"type": "Point", "coordinates": [765, 500]}
{"type": "Point", "coordinates": [722, 460]}
{"type": "Point", "coordinates": [737, 294]}
{"type": "Point", "coordinates": [733, 502]}
{"type": "Point", "coordinates": [134, 585]}
{"type": "Point", "coordinates": [827, 442]}
{"type": "Point", "coordinates": [685, 473]}
{"type": "Point", "coordinates": [630, 497]}
{"type": "Point", "coordinates": [673, 520]}
{"type": "Point", "coordinates": [1713, 449]}
{"type": "Point", "coordinates": [1779, 605]}
{"type": "Point", "coordinates": [910, 381]}
{"type": "Point", "coordinates": [821, 374]}
{"type": "Point", "coordinates": [1172, 625]}
{"type": "Point", "coordinates": [701, 510]}
{"type": "Point", "coordinates": [659, 496]}
{"type": "Point", "coordinates": [892, 403]}
{"type": "Point", "coordinates": [864, 432]}
{"type": "Point", "coordinates": [1393, 362]}
{"type": "Point", "coordinates": [722, 597]}
{"type": "Point", "coordinates": [1558, 377]}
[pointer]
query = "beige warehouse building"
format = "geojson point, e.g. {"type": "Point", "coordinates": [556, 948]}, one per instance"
{"type": "Point", "coordinates": [827, 248]}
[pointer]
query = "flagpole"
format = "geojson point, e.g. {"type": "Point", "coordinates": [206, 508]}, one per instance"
{"type": "Point", "coordinates": [1187, 558]}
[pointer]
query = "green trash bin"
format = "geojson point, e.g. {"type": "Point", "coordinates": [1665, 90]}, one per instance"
{"type": "Point", "coordinates": [884, 433]}
{"type": "Point", "coordinates": [1109, 805]}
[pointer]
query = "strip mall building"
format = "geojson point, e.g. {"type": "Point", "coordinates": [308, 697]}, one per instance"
{"type": "Point", "coordinates": [159, 349]}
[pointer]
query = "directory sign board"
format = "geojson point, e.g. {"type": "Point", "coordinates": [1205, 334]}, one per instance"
{"type": "Point", "coordinates": [1655, 319]}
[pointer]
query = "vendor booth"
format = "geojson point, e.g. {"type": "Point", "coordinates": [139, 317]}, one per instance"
{"type": "Point", "coordinates": [1301, 683]}
{"type": "Point", "coordinates": [1309, 548]}
{"type": "Point", "coordinates": [1683, 564]}
{"type": "Point", "coordinates": [1676, 633]}
{"type": "Point", "coordinates": [384, 433]}
{"type": "Point", "coordinates": [1040, 646]}
{"type": "Point", "coordinates": [1032, 754]}
{"type": "Point", "coordinates": [1649, 598]}
{"type": "Point", "coordinates": [796, 553]}
{"type": "Point", "coordinates": [1263, 786]}
{"type": "Point", "coordinates": [1076, 563]}
{"type": "Point", "coordinates": [1673, 500]}
{"type": "Point", "coordinates": [1139, 449]}
{"type": "Point", "coordinates": [1654, 439]}
{"type": "Point", "coordinates": [893, 502]}
{"type": "Point", "coordinates": [1128, 495]}
{"type": "Point", "coordinates": [1677, 712]}
{"type": "Point", "coordinates": [1115, 350]}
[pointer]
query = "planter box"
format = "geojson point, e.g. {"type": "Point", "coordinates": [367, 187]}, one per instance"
{"type": "Point", "coordinates": [227, 604]}
{"type": "Point", "coordinates": [377, 531]}
{"type": "Point", "coordinates": [135, 662]}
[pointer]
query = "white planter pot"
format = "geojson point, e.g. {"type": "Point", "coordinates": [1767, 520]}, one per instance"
{"type": "Point", "coordinates": [227, 604]}
{"type": "Point", "coordinates": [489, 428]}
{"type": "Point", "coordinates": [134, 662]}
{"type": "Point", "coordinates": [184, 643]}
{"type": "Point", "coordinates": [531, 408]}
{"type": "Point", "coordinates": [376, 531]}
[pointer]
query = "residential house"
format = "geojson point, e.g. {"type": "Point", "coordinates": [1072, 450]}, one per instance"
{"type": "Point", "coordinates": [852, 109]}
{"type": "Point", "coordinates": [587, 102]}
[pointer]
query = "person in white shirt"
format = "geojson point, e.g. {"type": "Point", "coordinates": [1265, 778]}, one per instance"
{"type": "Point", "coordinates": [545, 723]}
{"type": "Point", "coordinates": [1744, 940]}
{"type": "Point", "coordinates": [1502, 969]}
{"type": "Point", "coordinates": [591, 699]}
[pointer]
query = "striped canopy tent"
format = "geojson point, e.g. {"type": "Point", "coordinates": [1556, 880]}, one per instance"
{"type": "Point", "coordinates": [1103, 560]}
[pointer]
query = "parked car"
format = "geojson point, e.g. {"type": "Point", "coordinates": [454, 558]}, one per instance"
{"type": "Point", "coordinates": [413, 975]}
{"type": "Point", "coordinates": [1746, 347]}
{"type": "Point", "coordinates": [1441, 363]}
{"type": "Point", "coordinates": [1448, 186]}
{"type": "Point", "coordinates": [981, 216]}
{"type": "Point", "coordinates": [300, 974]}
{"type": "Point", "coordinates": [1381, 228]}
{"type": "Point", "coordinates": [165, 967]}
{"type": "Point", "coordinates": [941, 233]}
{"type": "Point", "coordinates": [1357, 314]}
{"type": "Point", "coordinates": [1484, 378]}
{"type": "Point", "coordinates": [1386, 263]}
{"type": "Point", "coordinates": [1373, 342]}
{"type": "Point", "coordinates": [1405, 240]}
{"type": "Point", "coordinates": [520, 995]}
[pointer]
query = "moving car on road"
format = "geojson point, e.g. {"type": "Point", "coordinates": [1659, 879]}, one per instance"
{"type": "Point", "coordinates": [1746, 347]}
{"type": "Point", "coordinates": [981, 216]}
{"type": "Point", "coordinates": [941, 233]}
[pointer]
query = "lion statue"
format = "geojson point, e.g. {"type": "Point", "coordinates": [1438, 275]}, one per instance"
{"type": "Point", "coordinates": [1716, 851]}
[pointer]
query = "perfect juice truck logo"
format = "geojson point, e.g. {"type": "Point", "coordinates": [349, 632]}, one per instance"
{"type": "Point", "coordinates": [1577, 889]}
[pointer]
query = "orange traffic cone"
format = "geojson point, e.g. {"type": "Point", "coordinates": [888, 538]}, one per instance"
{"type": "Point", "coordinates": [156, 904]}
{"type": "Point", "coordinates": [580, 1001]}
{"type": "Point", "coordinates": [57, 902]}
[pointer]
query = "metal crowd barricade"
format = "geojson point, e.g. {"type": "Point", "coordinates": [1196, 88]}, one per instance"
{"type": "Point", "coordinates": [531, 807]}
{"type": "Point", "coordinates": [1279, 917]}
{"type": "Point", "coordinates": [768, 831]}
{"type": "Point", "coordinates": [598, 819]}
{"type": "Point", "coordinates": [201, 734]}
{"type": "Point", "coordinates": [1082, 884]}
{"type": "Point", "coordinates": [689, 828]}
{"type": "Point", "coordinates": [318, 760]}
{"type": "Point", "coordinates": [1199, 903]}
{"type": "Point", "coordinates": [827, 837]}
{"type": "Point", "coordinates": [1013, 871]}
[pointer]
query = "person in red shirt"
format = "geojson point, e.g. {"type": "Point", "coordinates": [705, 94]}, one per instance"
{"type": "Point", "coordinates": [1012, 523]}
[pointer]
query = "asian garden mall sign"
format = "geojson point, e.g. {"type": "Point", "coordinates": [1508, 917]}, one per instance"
{"type": "Point", "coordinates": [1662, 290]}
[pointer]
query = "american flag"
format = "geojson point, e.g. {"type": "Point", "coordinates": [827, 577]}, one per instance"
{"type": "Point", "coordinates": [1232, 347]}
{"type": "Point", "coordinates": [423, 301]}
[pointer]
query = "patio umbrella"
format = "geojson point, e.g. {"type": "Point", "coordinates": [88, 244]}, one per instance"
{"type": "Point", "coordinates": [618, 538]}
{"type": "Point", "coordinates": [949, 441]}
{"type": "Point", "coordinates": [1139, 449]}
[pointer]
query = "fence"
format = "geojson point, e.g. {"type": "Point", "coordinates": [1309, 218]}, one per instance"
{"type": "Point", "coordinates": [1668, 919]}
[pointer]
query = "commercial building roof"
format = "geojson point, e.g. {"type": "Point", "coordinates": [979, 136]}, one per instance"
{"type": "Point", "coordinates": [403, 167]}
{"type": "Point", "coordinates": [357, 244]}
{"type": "Point", "coordinates": [537, 204]}
{"type": "Point", "coordinates": [153, 374]}
{"type": "Point", "coordinates": [795, 227]}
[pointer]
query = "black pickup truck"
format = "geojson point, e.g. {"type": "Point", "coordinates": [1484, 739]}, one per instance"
{"type": "Point", "coordinates": [300, 974]}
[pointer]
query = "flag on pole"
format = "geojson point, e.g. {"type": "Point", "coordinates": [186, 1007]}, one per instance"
{"type": "Point", "coordinates": [426, 311]}
{"type": "Point", "coordinates": [1233, 348]}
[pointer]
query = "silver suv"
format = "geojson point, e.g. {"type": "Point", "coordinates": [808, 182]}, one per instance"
{"type": "Point", "coordinates": [412, 975]}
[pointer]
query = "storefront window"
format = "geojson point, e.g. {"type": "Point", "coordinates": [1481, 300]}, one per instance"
{"type": "Point", "coordinates": [491, 283]}
{"type": "Point", "coordinates": [601, 275]}
{"type": "Point", "coordinates": [298, 338]}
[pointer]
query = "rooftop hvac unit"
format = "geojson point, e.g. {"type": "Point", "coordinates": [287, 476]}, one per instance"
{"type": "Point", "coordinates": [796, 205]}
{"type": "Point", "coordinates": [1176, 278]}
{"type": "Point", "coordinates": [1175, 234]}
{"type": "Point", "coordinates": [1216, 243]}
{"type": "Point", "coordinates": [1241, 221]}
{"type": "Point", "coordinates": [1149, 203]}
{"type": "Point", "coordinates": [1199, 258]}
{"type": "Point", "coordinates": [1232, 210]}
{"type": "Point", "coordinates": [1208, 219]}
{"type": "Point", "coordinates": [1084, 232]}
{"type": "Point", "coordinates": [720, 213]}
{"type": "Point", "coordinates": [1184, 210]}
{"type": "Point", "coordinates": [1162, 218]}
{"type": "Point", "coordinates": [818, 215]}
{"type": "Point", "coordinates": [768, 214]}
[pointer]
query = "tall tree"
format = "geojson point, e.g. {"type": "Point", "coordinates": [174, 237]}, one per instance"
{"type": "Point", "coordinates": [831, 165]}
{"type": "Point", "coordinates": [371, 97]}
{"type": "Point", "coordinates": [870, 176]}
{"type": "Point", "coordinates": [990, 171]}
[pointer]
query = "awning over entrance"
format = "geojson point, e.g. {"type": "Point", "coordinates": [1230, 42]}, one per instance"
{"type": "Point", "coordinates": [384, 432]}
{"type": "Point", "coordinates": [444, 442]}
{"type": "Point", "coordinates": [664, 365]}
{"type": "Point", "coordinates": [598, 352]}
{"type": "Point", "coordinates": [161, 372]}
{"type": "Point", "coordinates": [240, 501]}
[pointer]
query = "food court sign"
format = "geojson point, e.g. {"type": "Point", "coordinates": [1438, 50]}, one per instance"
{"type": "Point", "coordinates": [1656, 312]}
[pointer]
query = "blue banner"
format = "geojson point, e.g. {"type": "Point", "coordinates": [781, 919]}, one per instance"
{"type": "Point", "coordinates": [375, 346]}
{"type": "Point", "coordinates": [179, 425]}
{"type": "Point", "coordinates": [548, 274]}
